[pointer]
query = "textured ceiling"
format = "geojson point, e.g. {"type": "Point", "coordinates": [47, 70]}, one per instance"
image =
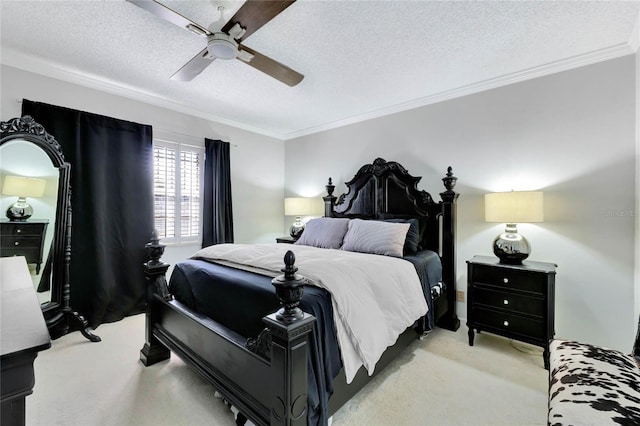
{"type": "Point", "coordinates": [360, 58]}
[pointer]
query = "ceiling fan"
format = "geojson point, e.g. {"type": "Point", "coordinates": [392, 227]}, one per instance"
{"type": "Point", "coordinates": [227, 43]}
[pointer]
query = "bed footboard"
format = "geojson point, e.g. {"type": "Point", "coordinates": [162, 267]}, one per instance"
{"type": "Point", "coordinates": [269, 389]}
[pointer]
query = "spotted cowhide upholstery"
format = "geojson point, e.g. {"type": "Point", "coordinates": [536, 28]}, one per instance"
{"type": "Point", "coordinates": [590, 385]}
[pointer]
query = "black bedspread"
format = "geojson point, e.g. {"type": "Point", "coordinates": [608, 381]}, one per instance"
{"type": "Point", "coordinates": [239, 300]}
{"type": "Point", "coordinates": [429, 269]}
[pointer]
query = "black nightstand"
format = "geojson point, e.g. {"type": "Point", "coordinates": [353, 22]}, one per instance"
{"type": "Point", "coordinates": [23, 239]}
{"type": "Point", "coordinates": [286, 240]}
{"type": "Point", "coordinates": [514, 301]}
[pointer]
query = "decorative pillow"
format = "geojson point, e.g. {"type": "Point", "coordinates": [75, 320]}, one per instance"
{"type": "Point", "coordinates": [592, 385]}
{"type": "Point", "coordinates": [412, 241]}
{"type": "Point", "coordinates": [372, 236]}
{"type": "Point", "coordinates": [324, 232]}
{"type": "Point", "coordinates": [422, 224]}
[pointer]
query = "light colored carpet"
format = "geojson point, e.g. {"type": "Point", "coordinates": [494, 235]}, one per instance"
{"type": "Point", "coordinates": [440, 380]}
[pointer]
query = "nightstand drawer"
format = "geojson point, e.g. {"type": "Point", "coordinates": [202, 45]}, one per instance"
{"type": "Point", "coordinates": [510, 278]}
{"type": "Point", "coordinates": [13, 242]}
{"type": "Point", "coordinates": [508, 324]}
{"type": "Point", "coordinates": [509, 301]}
{"type": "Point", "coordinates": [32, 254]}
{"type": "Point", "coordinates": [14, 229]}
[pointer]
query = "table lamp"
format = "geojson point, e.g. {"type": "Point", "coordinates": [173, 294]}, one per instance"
{"type": "Point", "coordinates": [511, 208]}
{"type": "Point", "coordinates": [22, 187]}
{"type": "Point", "coordinates": [297, 207]}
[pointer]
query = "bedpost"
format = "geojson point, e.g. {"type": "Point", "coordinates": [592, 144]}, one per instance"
{"type": "Point", "coordinates": [289, 332]}
{"type": "Point", "coordinates": [155, 274]}
{"type": "Point", "coordinates": [330, 199]}
{"type": "Point", "coordinates": [449, 320]}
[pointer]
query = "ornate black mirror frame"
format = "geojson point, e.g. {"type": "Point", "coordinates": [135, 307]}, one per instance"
{"type": "Point", "coordinates": [59, 316]}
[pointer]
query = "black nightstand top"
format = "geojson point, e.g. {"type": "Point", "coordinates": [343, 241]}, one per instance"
{"type": "Point", "coordinates": [20, 222]}
{"type": "Point", "coordinates": [526, 264]}
{"type": "Point", "coordinates": [286, 240]}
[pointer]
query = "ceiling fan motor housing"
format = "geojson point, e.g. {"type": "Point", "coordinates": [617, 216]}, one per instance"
{"type": "Point", "coordinates": [222, 46]}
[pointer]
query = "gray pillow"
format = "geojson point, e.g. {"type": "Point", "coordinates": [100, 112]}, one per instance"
{"type": "Point", "coordinates": [324, 232]}
{"type": "Point", "coordinates": [412, 242]}
{"type": "Point", "coordinates": [372, 236]}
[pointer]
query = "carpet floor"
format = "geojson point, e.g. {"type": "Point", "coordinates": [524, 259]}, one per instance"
{"type": "Point", "coordinates": [439, 380]}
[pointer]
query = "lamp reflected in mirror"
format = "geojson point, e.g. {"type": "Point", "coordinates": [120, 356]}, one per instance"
{"type": "Point", "coordinates": [22, 187]}
{"type": "Point", "coordinates": [511, 208]}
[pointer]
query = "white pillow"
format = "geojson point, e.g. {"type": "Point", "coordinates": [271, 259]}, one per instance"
{"type": "Point", "coordinates": [324, 232]}
{"type": "Point", "coordinates": [372, 236]}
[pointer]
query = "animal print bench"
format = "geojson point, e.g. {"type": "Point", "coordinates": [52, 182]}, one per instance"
{"type": "Point", "coordinates": [590, 385]}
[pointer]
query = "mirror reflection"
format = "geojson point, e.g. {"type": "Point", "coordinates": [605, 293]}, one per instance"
{"type": "Point", "coordinates": [28, 198]}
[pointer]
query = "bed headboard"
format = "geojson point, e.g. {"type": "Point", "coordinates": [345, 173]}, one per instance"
{"type": "Point", "coordinates": [385, 189]}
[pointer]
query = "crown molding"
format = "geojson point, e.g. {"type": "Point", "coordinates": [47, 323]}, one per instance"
{"type": "Point", "coordinates": [622, 49]}
{"type": "Point", "coordinates": [36, 65]}
{"type": "Point", "coordinates": [39, 66]}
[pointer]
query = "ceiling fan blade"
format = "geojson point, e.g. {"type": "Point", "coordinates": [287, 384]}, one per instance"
{"type": "Point", "coordinates": [194, 67]}
{"type": "Point", "coordinates": [170, 15]}
{"type": "Point", "coordinates": [272, 68]}
{"type": "Point", "coordinates": [254, 14]}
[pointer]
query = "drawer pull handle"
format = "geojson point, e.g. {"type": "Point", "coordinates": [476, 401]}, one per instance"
{"type": "Point", "coordinates": [18, 231]}
{"type": "Point", "coordinates": [506, 323]}
{"type": "Point", "coordinates": [505, 280]}
{"type": "Point", "coordinates": [17, 243]}
{"type": "Point", "coordinates": [505, 301]}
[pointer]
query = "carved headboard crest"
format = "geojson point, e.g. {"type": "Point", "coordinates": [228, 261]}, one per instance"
{"type": "Point", "coordinates": [27, 124]}
{"type": "Point", "coordinates": [380, 187]}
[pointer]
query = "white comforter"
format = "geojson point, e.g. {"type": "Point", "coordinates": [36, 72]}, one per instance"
{"type": "Point", "coordinates": [375, 298]}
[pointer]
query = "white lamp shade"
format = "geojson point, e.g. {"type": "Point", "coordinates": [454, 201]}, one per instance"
{"type": "Point", "coordinates": [514, 207]}
{"type": "Point", "coordinates": [298, 206]}
{"type": "Point", "coordinates": [23, 186]}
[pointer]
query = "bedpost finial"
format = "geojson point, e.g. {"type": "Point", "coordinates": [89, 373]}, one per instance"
{"type": "Point", "coordinates": [330, 187]}
{"type": "Point", "coordinates": [154, 248]}
{"type": "Point", "coordinates": [289, 288]}
{"type": "Point", "coordinates": [289, 268]}
{"type": "Point", "coordinates": [449, 180]}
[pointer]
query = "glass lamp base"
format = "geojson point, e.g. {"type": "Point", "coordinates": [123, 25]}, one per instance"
{"type": "Point", "coordinates": [20, 210]}
{"type": "Point", "coordinates": [296, 228]}
{"type": "Point", "coordinates": [511, 247]}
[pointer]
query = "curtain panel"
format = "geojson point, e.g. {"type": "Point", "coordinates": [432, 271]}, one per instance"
{"type": "Point", "coordinates": [112, 208]}
{"type": "Point", "coordinates": [217, 215]}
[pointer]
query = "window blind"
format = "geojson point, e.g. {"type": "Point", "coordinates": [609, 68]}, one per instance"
{"type": "Point", "coordinates": [177, 185]}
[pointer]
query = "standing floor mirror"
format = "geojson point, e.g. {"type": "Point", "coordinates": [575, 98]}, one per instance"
{"type": "Point", "coordinates": [36, 238]}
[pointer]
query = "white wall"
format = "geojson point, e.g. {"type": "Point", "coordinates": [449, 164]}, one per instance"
{"type": "Point", "coordinates": [257, 185]}
{"type": "Point", "coordinates": [571, 135]}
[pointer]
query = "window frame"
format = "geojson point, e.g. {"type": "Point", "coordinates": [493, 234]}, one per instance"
{"type": "Point", "coordinates": [179, 147]}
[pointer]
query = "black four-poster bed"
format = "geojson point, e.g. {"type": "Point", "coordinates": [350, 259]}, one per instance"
{"type": "Point", "coordinates": [266, 375]}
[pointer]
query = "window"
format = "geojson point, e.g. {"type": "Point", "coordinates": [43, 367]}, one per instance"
{"type": "Point", "coordinates": [178, 172]}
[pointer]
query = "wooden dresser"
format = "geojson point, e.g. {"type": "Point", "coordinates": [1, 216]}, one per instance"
{"type": "Point", "coordinates": [514, 301]}
{"type": "Point", "coordinates": [23, 333]}
{"type": "Point", "coordinates": [23, 239]}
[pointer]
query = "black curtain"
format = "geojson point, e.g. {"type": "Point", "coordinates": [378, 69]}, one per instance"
{"type": "Point", "coordinates": [112, 206]}
{"type": "Point", "coordinates": [217, 213]}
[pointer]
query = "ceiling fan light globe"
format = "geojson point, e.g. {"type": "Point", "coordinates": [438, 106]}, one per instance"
{"type": "Point", "coordinates": [222, 46]}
